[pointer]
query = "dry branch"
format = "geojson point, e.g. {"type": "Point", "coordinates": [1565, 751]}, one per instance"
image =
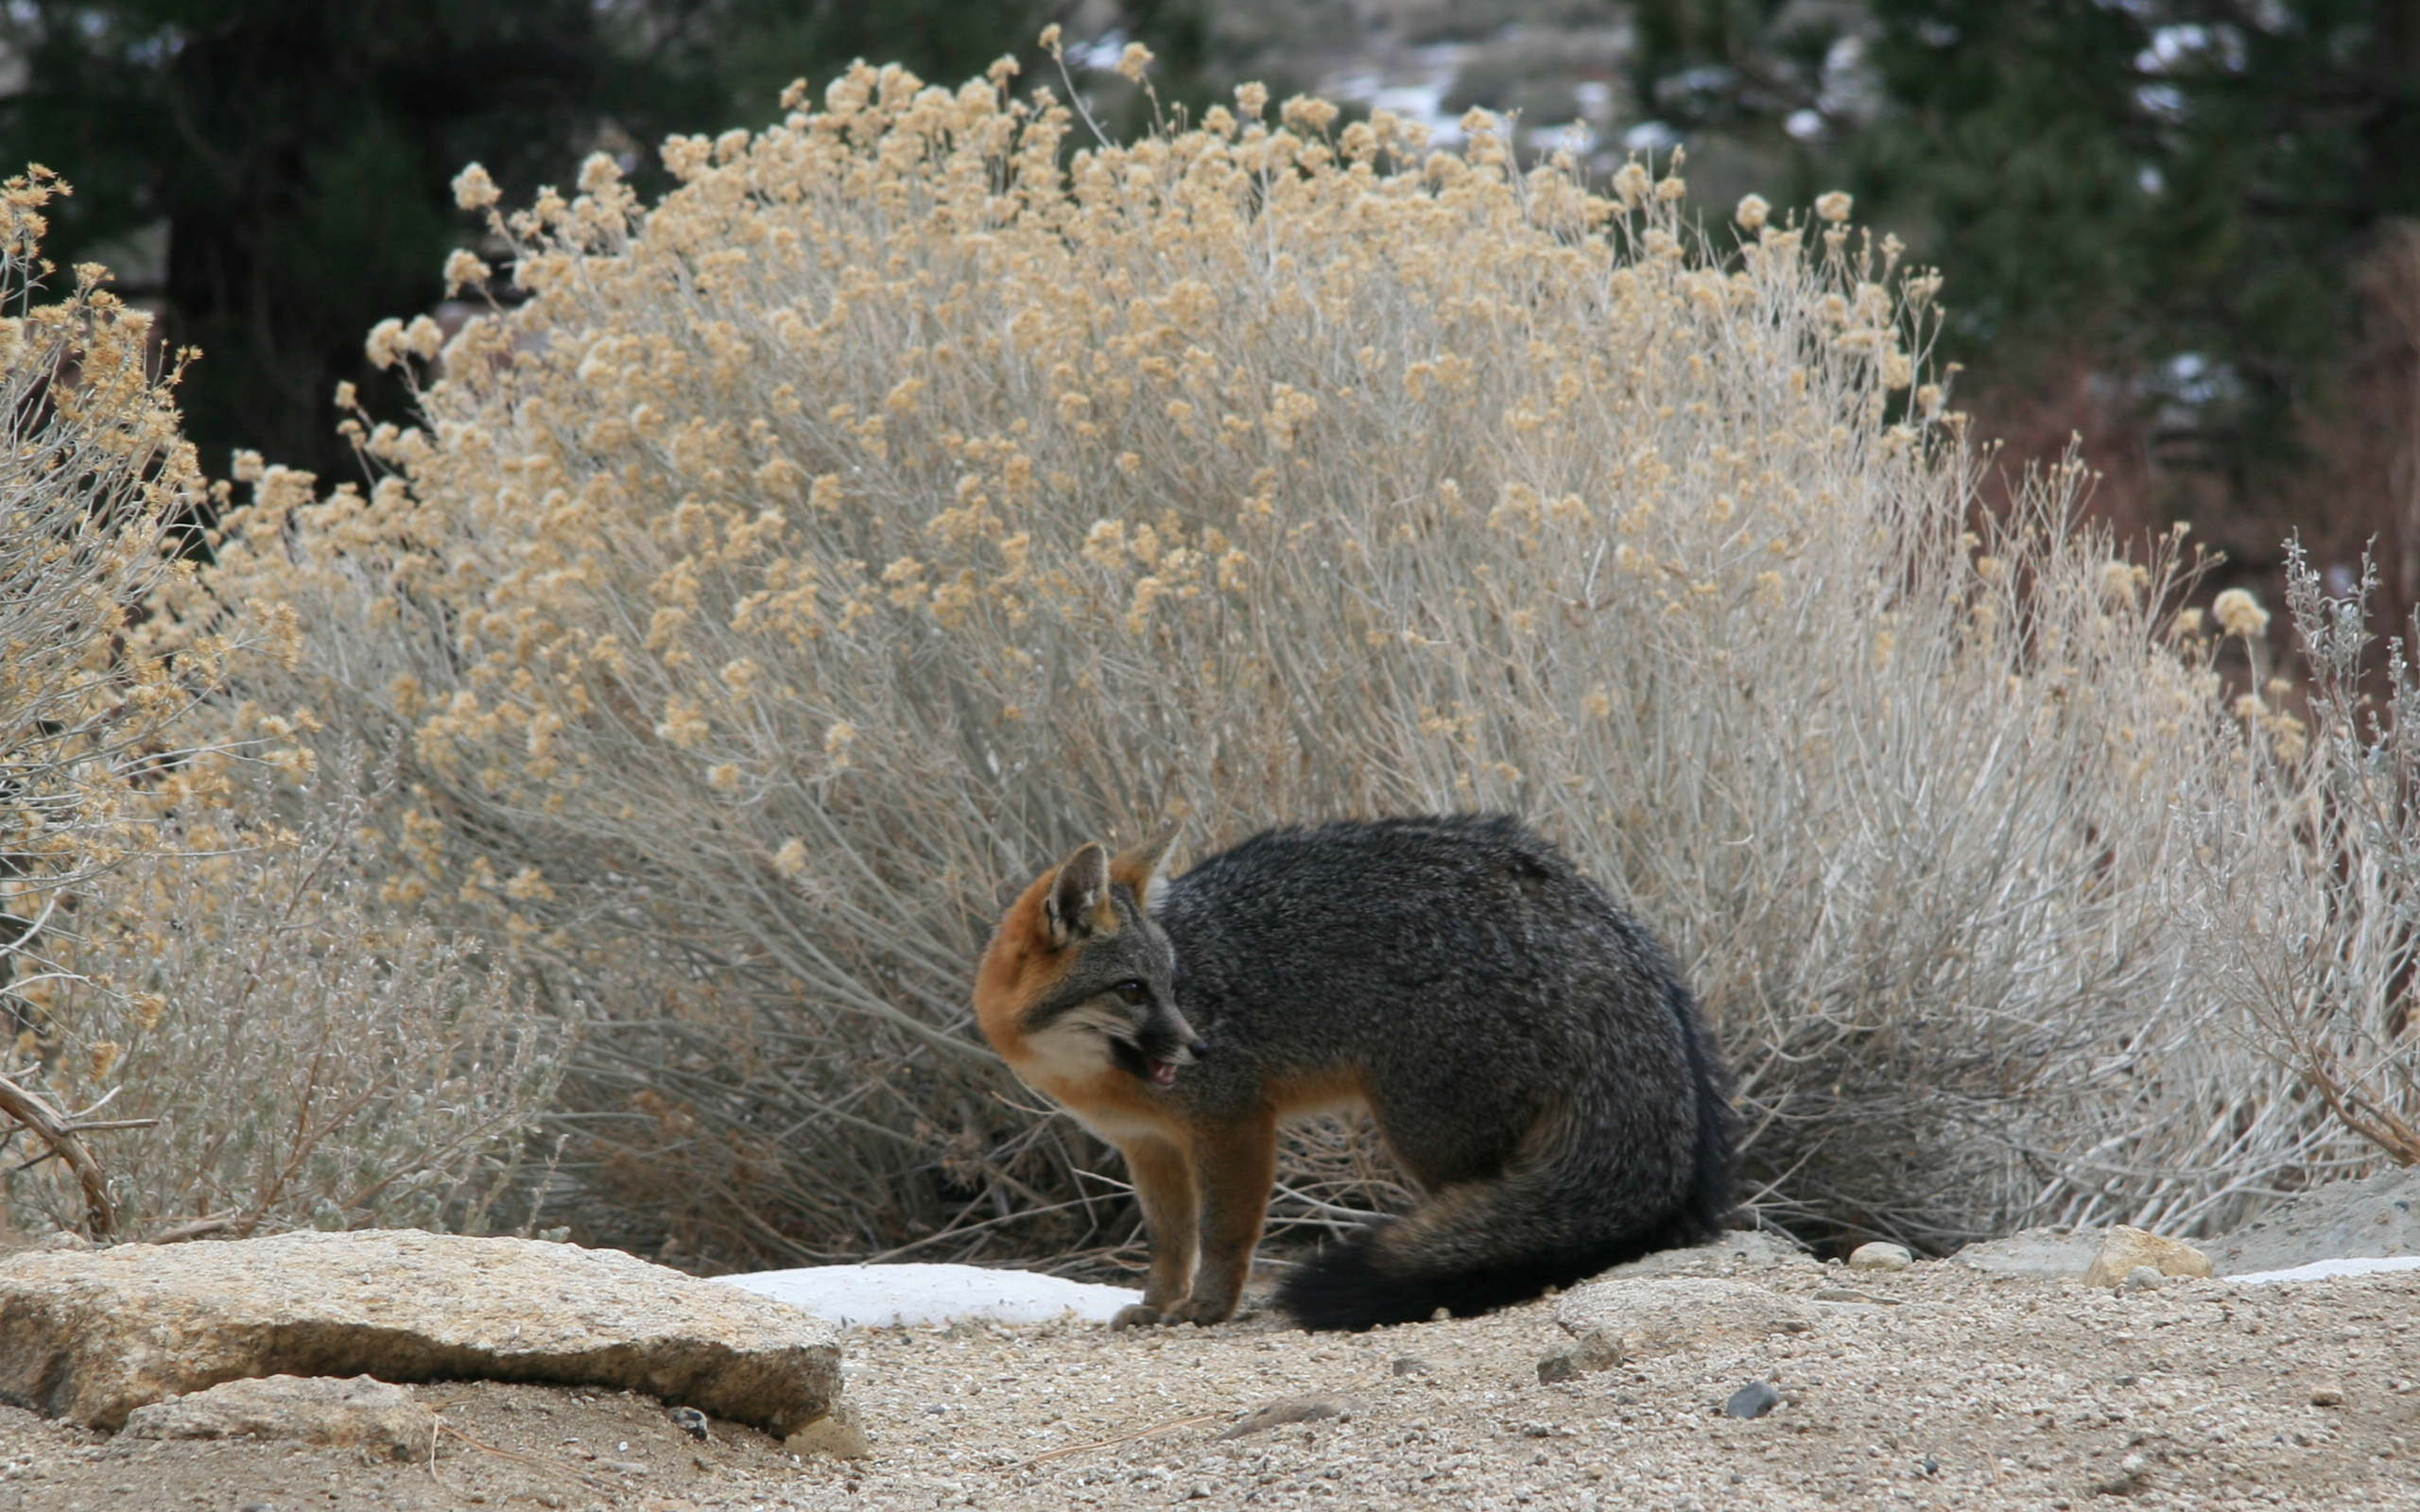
{"type": "Point", "coordinates": [62, 1134]}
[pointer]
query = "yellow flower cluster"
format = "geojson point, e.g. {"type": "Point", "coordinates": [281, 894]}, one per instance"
{"type": "Point", "coordinates": [93, 472]}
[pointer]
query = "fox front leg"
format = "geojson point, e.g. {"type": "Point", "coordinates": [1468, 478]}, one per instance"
{"type": "Point", "coordinates": [1164, 1185]}
{"type": "Point", "coordinates": [1236, 1167]}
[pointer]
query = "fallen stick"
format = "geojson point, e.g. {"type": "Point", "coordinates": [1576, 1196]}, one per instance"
{"type": "Point", "coordinates": [200, 1227]}
{"type": "Point", "coordinates": [540, 1462]}
{"type": "Point", "coordinates": [1112, 1443]}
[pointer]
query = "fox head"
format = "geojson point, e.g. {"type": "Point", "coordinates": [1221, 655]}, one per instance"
{"type": "Point", "coordinates": [1079, 980]}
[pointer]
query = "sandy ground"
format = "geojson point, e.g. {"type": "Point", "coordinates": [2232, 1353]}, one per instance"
{"type": "Point", "coordinates": [1948, 1388]}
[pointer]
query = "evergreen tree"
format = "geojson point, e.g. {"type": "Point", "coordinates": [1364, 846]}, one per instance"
{"type": "Point", "coordinates": [2176, 189]}
{"type": "Point", "coordinates": [298, 153]}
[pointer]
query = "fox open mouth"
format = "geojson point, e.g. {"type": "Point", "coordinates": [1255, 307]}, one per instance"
{"type": "Point", "coordinates": [1134, 1060]}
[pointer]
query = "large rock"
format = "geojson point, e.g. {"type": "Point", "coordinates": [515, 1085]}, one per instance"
{"type": "Point", "coordinates": [1642, 1316]}
{"type": "Point", "coordinates": [382, 1421]}
{"type": "Point", "coordinates": [2376, 1216]}
{"type": "Point", "coordinates": [2127, 1249]}
{"type": "Point", "coordinates": [2343, 1220]}
{"type": "Point", "coordinates": [91, 1337]}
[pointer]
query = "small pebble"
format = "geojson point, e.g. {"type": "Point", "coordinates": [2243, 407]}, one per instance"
{"type": "Point", "coordinates": [2120, 1484]}
{"type": "Point", "coordinates": [1597, 1351]}
{"type": "Point", "coordinates": [1753, 1399]}
{"type": "Point", "coordinates": [1408, 1365]}
{"type": "Point", "coordinates": [1878, 1256]}
{"type": "Point", "coordinates": [2327, 1396]}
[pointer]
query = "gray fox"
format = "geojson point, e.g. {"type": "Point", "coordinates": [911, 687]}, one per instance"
{"type": "Point", "coordinates": [1528, 1053]}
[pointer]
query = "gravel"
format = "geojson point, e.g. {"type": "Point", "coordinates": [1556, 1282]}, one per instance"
{"type": "Point", "coordinates": [1942, 1386]}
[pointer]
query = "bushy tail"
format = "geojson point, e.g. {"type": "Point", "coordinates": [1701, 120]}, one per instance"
{"type": "Point", "coordinates": [1572, 1211]}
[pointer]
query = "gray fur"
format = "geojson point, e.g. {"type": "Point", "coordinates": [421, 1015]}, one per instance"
{"type": "Point", "coordinates": [1532, 1059]}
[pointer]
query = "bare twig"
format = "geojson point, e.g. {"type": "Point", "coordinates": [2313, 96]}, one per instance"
{"type": "Point", "coordinates": [100, 1214]}
{"type": "Point", "coordinates": [1112, 1443]}
{"type": "Point", "coordinates": [218, 1223]}
{"type": "Point", "coordinates": [544, 1462]}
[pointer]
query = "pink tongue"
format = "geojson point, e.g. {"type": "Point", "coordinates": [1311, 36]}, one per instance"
{"type": "Point", "coordinates": [1163, 1073]}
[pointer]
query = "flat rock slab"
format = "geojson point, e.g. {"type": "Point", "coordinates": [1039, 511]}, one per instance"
{"type": "Point", "coordinates": [91, 1336]}
{"type": "Point", "coordinates": [1645, 1316]}
{"type": "Point", "coordinates": [382, 1421]}
{"type": "Point", "coordinates": [1740, 1245]}
{"type": "Point", "coordinates": [2035, 1252]}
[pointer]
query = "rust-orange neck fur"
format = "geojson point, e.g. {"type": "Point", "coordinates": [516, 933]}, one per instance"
{"type": "Point", "coordinates": [1018, 966]}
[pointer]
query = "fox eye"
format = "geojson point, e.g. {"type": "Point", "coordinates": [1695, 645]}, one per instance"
{"type": "Point", "coordinates": [1133, 994]}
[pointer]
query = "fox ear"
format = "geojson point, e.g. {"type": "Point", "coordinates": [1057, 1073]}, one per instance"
{"type": "Point", "coordinates": [1137, 868]}
{"type": "Point", "coordinates": [1079, 896]}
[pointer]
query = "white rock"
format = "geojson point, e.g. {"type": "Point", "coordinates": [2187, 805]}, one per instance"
{"type": "Point", "coordinates": [1880, 1256]}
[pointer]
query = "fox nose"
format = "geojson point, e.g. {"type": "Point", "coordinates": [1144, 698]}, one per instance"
{"type": "Point", "coordinates": [1198, 1050]}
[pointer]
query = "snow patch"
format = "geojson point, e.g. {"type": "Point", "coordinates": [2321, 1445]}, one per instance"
{"type": "Point", "coordinates": [2321, 1270]}
{"type": "Point", "coordinates": [879, 1297]}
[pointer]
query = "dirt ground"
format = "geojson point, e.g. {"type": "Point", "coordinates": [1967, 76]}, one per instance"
{"type": "Point", "coordinates": [1946, 1388]}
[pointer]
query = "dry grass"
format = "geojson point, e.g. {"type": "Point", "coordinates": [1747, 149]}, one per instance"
{"type": "Point", "coordinates": [818, 553]}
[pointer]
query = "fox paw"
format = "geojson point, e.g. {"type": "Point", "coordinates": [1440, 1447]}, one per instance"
{"type": "Point", "coordinates": [1143, 1315]}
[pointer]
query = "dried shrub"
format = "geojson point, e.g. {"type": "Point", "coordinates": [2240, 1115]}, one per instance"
{"type": "Point", "coordinates": [211, 1019]}
{"type": "Point", "coordinates": [817, 553]}
{"type": "Point", "coordinates": [91, 472]}
{"type": "Point", "coordinates": [290, 1052]}
{"type": "Point", "coordinates": [2315, 952]}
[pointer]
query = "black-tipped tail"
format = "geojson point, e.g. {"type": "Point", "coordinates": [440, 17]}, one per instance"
{"type": "Point", "coordinates": [1346, 1287]}
{"type": "Point", "coordinates": [1351, 1287]}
